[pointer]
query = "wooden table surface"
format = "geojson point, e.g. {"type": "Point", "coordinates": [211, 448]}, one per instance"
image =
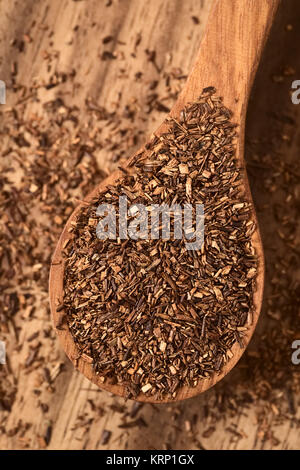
{"type": "Point", "coordinates": [72, 33]}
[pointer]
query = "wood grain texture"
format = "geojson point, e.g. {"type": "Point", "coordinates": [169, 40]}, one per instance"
{"type": "Point", "coordinates": [171, 33]}
{"type": "Point", "coordinates": [227, 59]}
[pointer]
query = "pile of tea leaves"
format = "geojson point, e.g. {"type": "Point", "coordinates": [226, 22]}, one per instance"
{"type": "Point", "coordinates": [149, 313]}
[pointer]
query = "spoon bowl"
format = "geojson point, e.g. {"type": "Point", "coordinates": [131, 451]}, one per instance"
{"type": "Point", "coordinates": [227, 60]}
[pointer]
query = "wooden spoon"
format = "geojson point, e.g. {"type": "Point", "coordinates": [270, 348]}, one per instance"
{"type": "Point", "coordinates": [228, 58]}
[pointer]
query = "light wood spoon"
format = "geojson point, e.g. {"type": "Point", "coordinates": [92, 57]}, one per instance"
{"type": "Point", "coordinates": [228, 58]}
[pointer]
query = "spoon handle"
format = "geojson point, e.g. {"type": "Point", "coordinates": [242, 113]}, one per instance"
{"type": "Point", "coordinates": [230, 51]}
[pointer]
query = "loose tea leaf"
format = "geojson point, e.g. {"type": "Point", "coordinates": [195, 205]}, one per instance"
{"type": "Point", "coordinates": [149, 313]}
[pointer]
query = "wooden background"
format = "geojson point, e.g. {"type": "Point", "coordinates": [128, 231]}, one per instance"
{"type": "Point", "coordinates": [72, 32]}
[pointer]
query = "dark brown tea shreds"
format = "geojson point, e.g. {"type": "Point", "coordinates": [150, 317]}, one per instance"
{"type": "Point", "coordinates": [150, 314]}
